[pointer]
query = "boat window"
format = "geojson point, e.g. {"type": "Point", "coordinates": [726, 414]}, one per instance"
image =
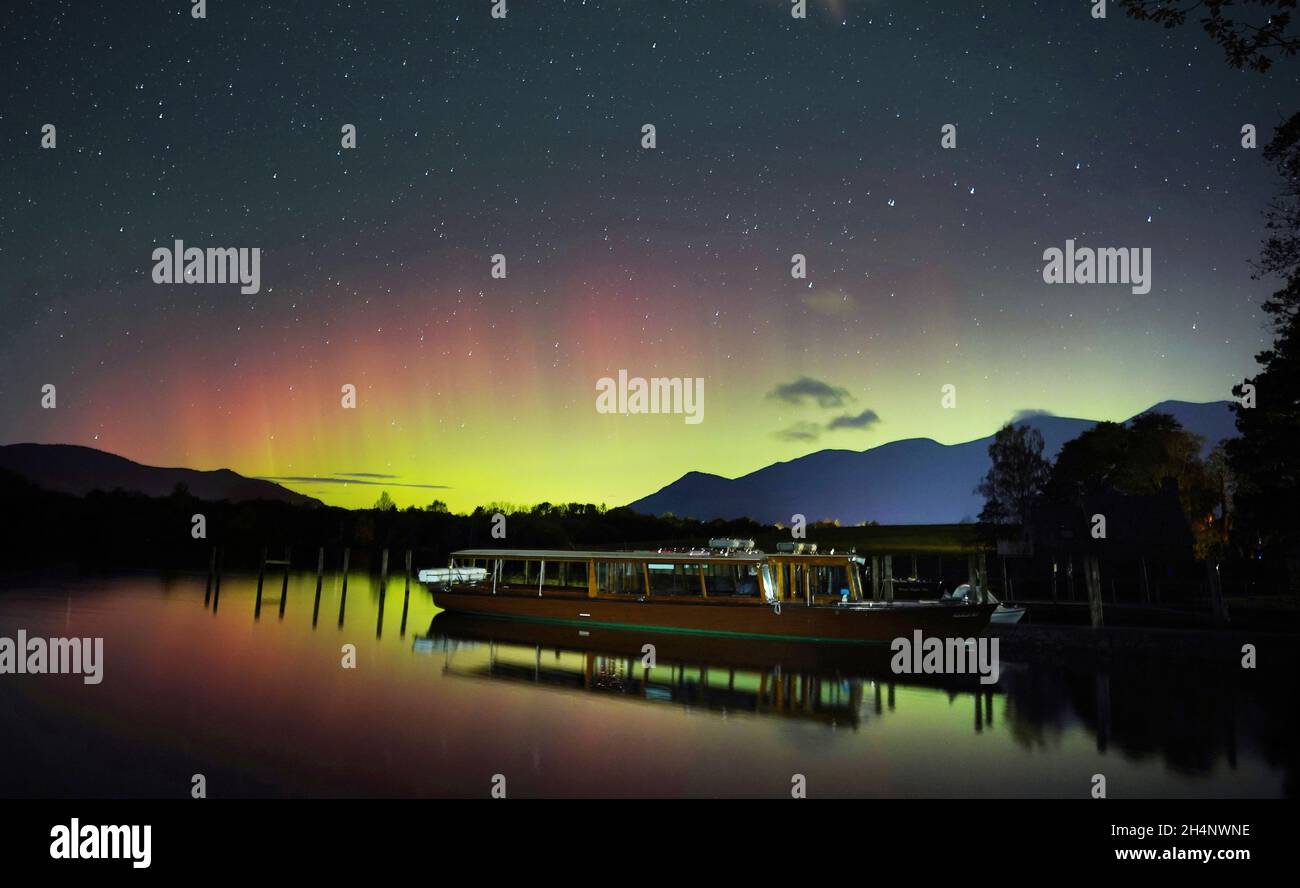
{"type": "Point", "coordinates": [731, 579]}
{"type": "Point", "coordinates": [830, 582]}
{"type": "Point", "coordinates": [674, 579]}
{"type": "Point", "coordinates": [620, 578]}
{"type": "Point", "coordinates": [566, 575]}
{"type": "Point", "coordinates": [513, 573]}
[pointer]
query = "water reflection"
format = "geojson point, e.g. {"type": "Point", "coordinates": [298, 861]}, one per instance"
{"type": "Point", "coordinates": [834, 684]}
{"type": "Point", "coordinates": [203, 677]}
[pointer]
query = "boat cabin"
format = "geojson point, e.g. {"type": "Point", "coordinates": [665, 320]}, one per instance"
{"type": "Point", "coordinates": [740, 576]}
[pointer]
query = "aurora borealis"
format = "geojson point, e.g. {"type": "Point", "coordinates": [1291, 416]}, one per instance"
{"type": "Point", "coordinates": [522, 137]}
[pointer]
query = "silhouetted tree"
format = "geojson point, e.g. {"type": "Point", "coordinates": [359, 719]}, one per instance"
{"type": "Point", "coordinates": [1263, 458]}
{"type": "Point", "coordinates": [1263, 32]}
{"type": "Point", "coordinates": [1016, 477]}
{"type": "Point", "coordinates": [385, 503]}
{"type": "Point", "coordinates": [1132, 460]}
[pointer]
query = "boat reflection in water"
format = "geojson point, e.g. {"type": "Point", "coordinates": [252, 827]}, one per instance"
{"type": "Point", "coordinates": [259, 700]}
{"type": "Point", "coordinates": [834, 684]}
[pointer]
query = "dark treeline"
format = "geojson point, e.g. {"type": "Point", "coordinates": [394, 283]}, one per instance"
{"type": "Point", "coordinates": [1243, 499]}
{"type": "Point", "coordinates": [42, 528]}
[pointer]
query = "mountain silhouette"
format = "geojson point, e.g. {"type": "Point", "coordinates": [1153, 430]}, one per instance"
{"type": "Point", "coordinates": [69, 468]}
{"type": "Point", "coordinates": [914, 481]}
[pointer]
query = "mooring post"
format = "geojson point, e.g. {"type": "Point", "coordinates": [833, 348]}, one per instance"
{"type": "Point", "coordinates": [889, 577]}
{"type": "Point", "coordinates": [383, 573]}
{"type": "Point", "coordinates": [1146, 581]}
{"type": "Point", "coordinates": [406, 596]}
{"type": "Point", "coordinates": [1103, 711]}
{"type": "Point", "coordinates": [342, 598]}
{"type": "Point", "coordinates": [984, 578]}
{"type": "Point", "coordinates": [320, 569]}
{"type": "Point", "coordinates": [261, 572]}
{"type": "Point", "coordinates": [216, 587]}
{"type": "Point", "coordinates": [284, 585]}
{"type": "Point", "coordinates": [212, 569]}
{"type": "Point", "coordinates": [1092, 574]}
{"type": "Point", "coordinates": [1218, 608]}
{"type": "Point", "coordinates": [875, 577]}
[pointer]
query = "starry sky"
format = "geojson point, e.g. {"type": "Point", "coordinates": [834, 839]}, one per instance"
{"type": "Point", "coordinates": [522, 136]}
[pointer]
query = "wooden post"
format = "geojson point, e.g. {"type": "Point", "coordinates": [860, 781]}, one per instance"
{"type": "Point", "coordinates": [343, 597]}
{"type": "Point", "coordinates": [875, 577]}
{"type": "Point", "coordinates": [984, 578]}
{"type": "Point", "coordinates": [284, 585]}
{"type": "Point", "coordinates": [383, 574]}
{"type": "Point", "coordinates": [914, 568]}
{"type": "Point", "coordinates": [1054, 581]}
{"type": "Point", "coordinates": [1069, 576]}
{"type": "Point", "coordinates": [1103, 711]}
{"type": "Point", "coordinates": [406, 596]}
{"type": "Point", "coordinates": [1146, 582]}
{"type": "Point", "coordinates": [216, 587]}
{"type": "Point", "coordinates": [1092, 574]}
{"type": "Point", "coordinates": [973, 578]}
{"type": "Point", "coordinates": [1006, 594]}
{"type": "Point", "coordinates": [1218, 608]}
{"type": "Point", "coordinates": [889, 578]}
{"type": "Point", "coordinates": [320, 569]}
{"type": "Point", "coordinates": [261, 572]}
{"type": "Point", "coordinates": [212, 569]}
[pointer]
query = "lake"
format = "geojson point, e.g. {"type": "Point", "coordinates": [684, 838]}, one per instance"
{"type": "Point", "coordinates": [259, 703]}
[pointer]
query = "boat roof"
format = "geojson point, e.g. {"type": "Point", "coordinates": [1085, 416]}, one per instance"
{"type": "Point", "coordinates": [592, 555]}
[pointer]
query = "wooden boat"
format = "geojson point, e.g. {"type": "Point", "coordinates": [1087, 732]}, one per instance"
{"type": "Point", "coordinates": [725, 589]}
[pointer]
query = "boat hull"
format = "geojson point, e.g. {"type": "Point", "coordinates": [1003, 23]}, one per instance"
{"type": "Point", "coordinates": [878, 622]}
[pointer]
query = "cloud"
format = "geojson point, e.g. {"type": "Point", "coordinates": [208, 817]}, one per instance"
{"type": "Point", "coordinates": [1030, 413]}
{"type": "Point", "coordinates": [800, 431]}
{"type": "Point", "coordinates": [351, 479]}
{"type": "Point", "coordinates": [365, 475]}
{"type": "Point", "coordinates": [830, 302]}
{"type": "Point", "coordinates": [806, 388]}
{"type": "Point", "coordinates": [864, 420]}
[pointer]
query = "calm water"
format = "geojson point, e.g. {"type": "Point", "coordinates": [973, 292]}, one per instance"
{"type": "Point", "coordinates": [437, 705]}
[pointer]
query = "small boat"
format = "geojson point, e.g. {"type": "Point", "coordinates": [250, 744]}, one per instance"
{"type": "Point", "coordinates": [1003, 614]}
{"type": "Point", "coordinates": [728, 588]}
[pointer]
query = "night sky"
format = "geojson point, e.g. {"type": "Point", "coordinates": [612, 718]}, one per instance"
{"type": "Point", "coordinates": [523, 137]}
